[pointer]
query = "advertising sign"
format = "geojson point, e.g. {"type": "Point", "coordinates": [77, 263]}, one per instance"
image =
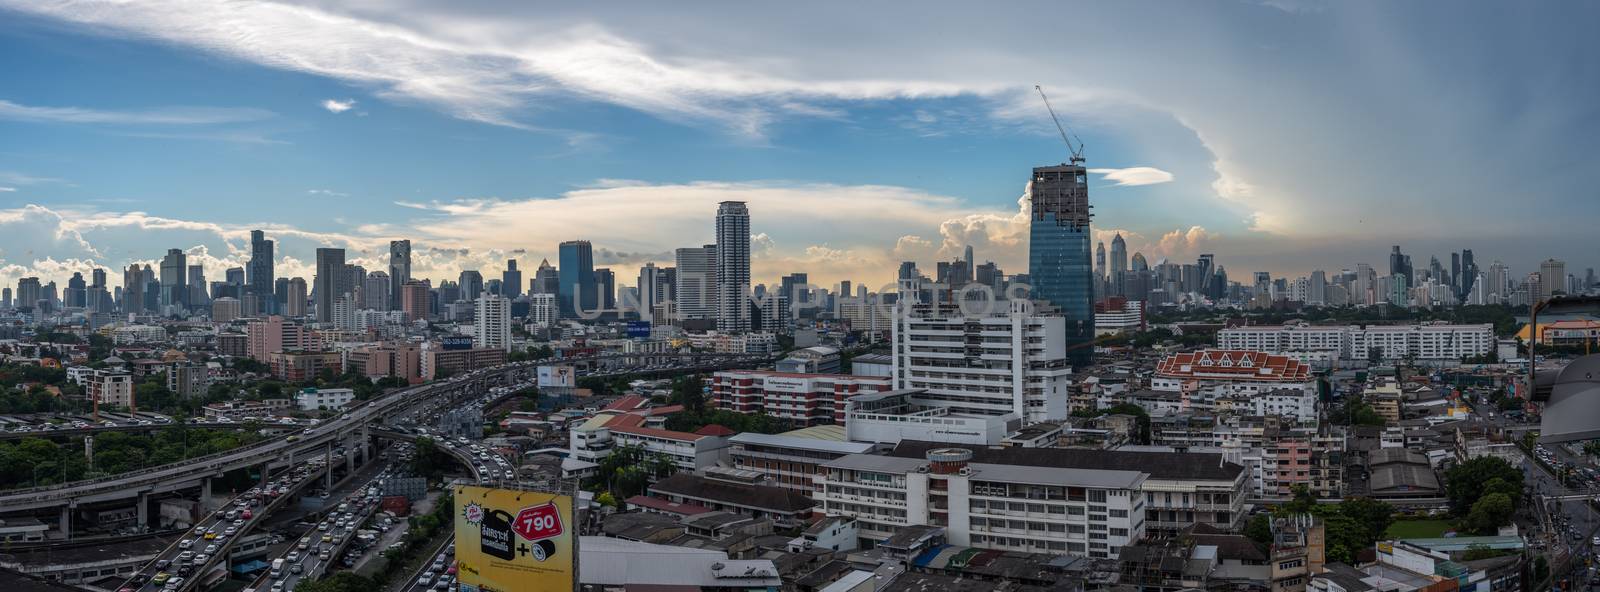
{"type": "Point", "coordinates": [557, 376]}
{"type": "Point", "coordinates": [513, 540]}
{"type": "Point", "coordinates": [456, 342]}
{"type": "Point", "coordinates": [638, 328]}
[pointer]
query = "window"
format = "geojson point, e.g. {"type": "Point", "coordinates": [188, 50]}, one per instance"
{"type": "Point", "coordinates": [1097, 496]}
{"type": "Point", "coordinates": [1122, 532]}
{"type": "Point", "coordinates": [1119, 513]}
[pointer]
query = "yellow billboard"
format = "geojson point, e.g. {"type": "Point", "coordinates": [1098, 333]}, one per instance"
{"type": "Point", "coordinates": [513, 541]}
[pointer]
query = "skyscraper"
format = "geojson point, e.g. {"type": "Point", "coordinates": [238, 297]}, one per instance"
{"type": "Point", "coordinates": [471, 284]}
{"type": "Point", "coordinates": [733, 267]}
{"type": "Point", "coordinates": [294, 298]}
{"type": "Point", "coordinates": [1400, 264]}
{"type": "Point", "coordinates": [649, 290]}
{"type": "Point", "coordinates": [696, 282]}
{"type": "Point", "coordinates": [1119, 255]}
{"type": "Point", "coordinates": [260, 272]}
{"type": "Point", "coordinates": [511, 280]}
{"type": "Point", "coordinates": [414, 300]}
{"type": "Point", "coordinates": [1317, 288]}
{"type": "Point", "coordinates": [1552, 277]}
{"type": "Point", "coordinates": [1058, 252]}
{"type": "Point", "coordinates": [197, 287]}
{"type": "Point", "coordinates": [1100, 259]}
{"type": "Point", "coordinates": [399, 268]}
{"type": "Point", "coordinates": [77, 291]}
{"type": "Point", "coordinates": [545, 279]}
{"type": "Point", "coordinates": [576, 272]}
{"type": "Point", "coordinates": [132, 290]}
{"type": "Point", "coordinates": [605, 283]}
{"type": "Point", "coordinates": [971, 265]}
{"type": "Point", "coordinates": [328, 285]}
{"type": "Point", "coordinates": [1469, 269]}
{"type": "Point", "coordinates": [375, 292]}
{"type": "Point", "coordinates": [174, 285]}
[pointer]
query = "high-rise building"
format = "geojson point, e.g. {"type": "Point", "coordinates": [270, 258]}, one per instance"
{"type": "Point", "coordinates": [294, 298]}
{"type": "Point", "coordinates": [576, 271]}
{"type": "Point", "coordinates": [908, 270]}
{"type": "Point", "coordinates": [329, 282]}
{"type": "Point", "coordinates": [1498, 284]}
{"type": "Point", "coordinates": [606, 283]}
{"type": "Point", "coordinates": [77, 294]}
{"type": "Point", "coordinates": [511, 280]}
{"type": "Point", "coordinates": [399, 268]}
{"type": "Point", "coordinates": [375, 292]}
{"type": "Point", "coordinates": [29, 292]}
{"type": "Point", "coordinates": [197, 287]}
{"type": "Point", "coordinates": [649, 291]}
{"type": "Point", "coordinates": [414, 300]}
{"type": "Point", "coordinates": [492, 322]}
{"type": "Point", "coordinates": [1469, 270]}
{"type": "Point", "coordinates": [1100, 259]}
{"type": "Point", "coordinates": [1058, 253]}
{"type": "Point", "coordinates": [174, 281]}
{"type": "Point", "coordinates": [1119, 255]}
{"type": "Point", "coordinates": [132, 293]}
{"type": "Point", "coordinates": [1317, 288]}
{"type": "Point", "coordinates": [1400, 264]}
{"type": "Point", "coordinates": [696, 282]}
{"type": "Point", "coordinates": [261, 279]}
{"type": "Point", "coordinates": [1024, 371]}
{"type": "Point", "coordinates": [546, 280]}
{"type": "Point", "coordinates": [733, 267]}
{"type": "Point", "coordinates": [1552, 277]}
{"type": "Point", "coordinates": [543, 310]}
{"type": "Point", "coordinates": [234, 276]}
{"type": "Point", "coordinates": [471, 283]}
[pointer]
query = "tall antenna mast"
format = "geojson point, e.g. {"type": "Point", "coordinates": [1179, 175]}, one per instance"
{"type": "Point", "coordinates": [1077, 153]}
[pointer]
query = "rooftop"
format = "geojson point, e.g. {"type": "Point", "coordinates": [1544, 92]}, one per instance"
{"type": "Point", "coordinates": [1159, 465]}
{"type": "Point", "coordinates": [786, 440]}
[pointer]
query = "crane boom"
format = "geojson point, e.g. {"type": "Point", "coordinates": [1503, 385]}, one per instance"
{"type": "Point", "coordinates": [1077, 153]}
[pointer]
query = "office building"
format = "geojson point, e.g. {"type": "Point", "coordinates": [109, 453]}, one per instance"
{"type": "Point", "coordinates": [261, 281]}
{"type": "Point", "coordinates": [1552, 278]}
{"type": "Point", "coordinates": [1058, 253]}
{"type": "Point", "coordinates": [696, 282]}
{"type": "Point", "coordinates": [174, 295]}
{"type": "Point", "coordinates": [543, 310]}
{"type": "Point", "coordinates": [276, 334]}
{"type": "Point", "coordinates": [546, 280]}
{"type": "Point", "coordinates": [576, 273]}
{"type": "Point", "coordinates": [733, 267]}
{"type": "Point", "coordinates": [1003, 362]}
{"type": "Point", "coordinates": [329, 282]}
{"type": "Point", "coordinates": [649, 291]}
{"type": "Point", "coordinates": [511, 280]}
{"type": "Point", "coordinates": [605, 283]}
{"type": "Point", "coordinates": [471, 283]}
{"type": "Point", "coordinates": [225, 309]}
{"type": "Point", "coordinates": [492, 322]}
{"type": "Point", "coordinates": [399, 269]}
{"type": "Point", "coordinates": [789, 461]}
{"type": "Point", "coordinates": [198, 296]}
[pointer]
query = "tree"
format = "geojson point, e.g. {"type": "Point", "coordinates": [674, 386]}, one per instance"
{"type": "Point", "coordinates": [1465, 483]}
{"type": "Point", "coordinates": [606, 499]}
{"type": "Point", "coordinates": [344, 581]}
{"type": "Point", "coordinates": [1372, 515]}
{"type": "Point", "coordinates": [429, 460]}
{"type": "Point", "coordinates": [1302, 501]}
{"type": "Point", "coordinates": [689, 391]}
{"type": "Point", "coordinates": [1260, 529]}
{"type": "Point", "coordinates": [1491, 512]}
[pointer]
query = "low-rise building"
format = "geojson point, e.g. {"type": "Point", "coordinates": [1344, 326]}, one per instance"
{"type": "Point", "coordinates": [112, 387]}
{"type": "Point", "coordinates": [801, 399]}
{"type": "Point", "coordinates": [791, 462]}
{"type": "Point", "coordinates": [741, 492]}
{"type": "Point", "coordinates": [315, 399]}
{"type": "Point", "coordinates": [893, 416]}
{"type": "Point", "coordinates": [300, 366]}
{"type": "Point", "coordinates": [438, 362]}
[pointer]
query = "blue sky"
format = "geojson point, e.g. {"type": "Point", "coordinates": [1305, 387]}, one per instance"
{"type": "Point", "coordinates": [1281, 136]}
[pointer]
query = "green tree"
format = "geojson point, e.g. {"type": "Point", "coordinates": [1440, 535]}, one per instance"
{"type": "Point", "coordinates": [428, 460]}
{"type": "Point", "coordinates": [344, 581]}
{"type": "Point", "coordinates": [1465, 483]}
{"type": "Point", "coordinates": [689, 391]}
{"type": "Point", "coordinates": [1259, 529]}
{"type": "Point", "coordinates": [1490, 513]}
{"type": "Point", "coordinates": [1372, 515]}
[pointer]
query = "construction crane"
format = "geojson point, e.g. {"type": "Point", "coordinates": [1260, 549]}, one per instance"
{"type": "Point", "coordinates": [1077, 153]}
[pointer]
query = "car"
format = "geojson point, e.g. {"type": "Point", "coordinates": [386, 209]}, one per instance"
{"type": "Point", "coordinates": [162, 564]}
{"type": "Point", "coordinates": [185, 556]}
{"type": "Point", "coordinates": [161, 577]}
{"type": "Point", "coordinates": [210, 535]}
{"type": "Point", "coordinates": [200, 559]}
{"type": "Point", "coordinates": [323, 556]}
{"type": "Point", "coordinates": [210, 549]}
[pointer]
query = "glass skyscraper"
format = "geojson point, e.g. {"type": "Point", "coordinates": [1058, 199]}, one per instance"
{"type": "Point", "coordinates": [1059, 261]}
{"type": "Point", "coordinates": [576, 272]}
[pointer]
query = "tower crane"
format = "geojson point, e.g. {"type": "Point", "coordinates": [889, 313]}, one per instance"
{"type": "Point", "coordinates": [1077, 152]}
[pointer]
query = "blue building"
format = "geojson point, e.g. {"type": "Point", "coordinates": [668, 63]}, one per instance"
{"type": "Point", "coordinates": [1059, 258]}
{"type": "Point", "coordinates": [576, 272]}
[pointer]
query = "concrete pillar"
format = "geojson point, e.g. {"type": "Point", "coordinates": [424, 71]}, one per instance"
{"type": "Point", "coordinates": [66, 521]}
{"type": "Point", "coordinates": [205, 494]}
{"type": "Point", "coordinates": [327, 466]}
{"type": "Point", "coordinates": [266, 472]}
{"type": "Point", "coordinates": [144, 510]}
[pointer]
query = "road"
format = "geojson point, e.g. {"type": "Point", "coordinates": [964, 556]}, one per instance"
{"type": "Point", "coordinates": [190, 558]}
{"type": "Point", "coordinates": [312, 554]}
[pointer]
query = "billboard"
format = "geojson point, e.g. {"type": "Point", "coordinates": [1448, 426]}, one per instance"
{"type": "Point", "coordinates": [456, 342]}
{"type": "Point", "coordinates": [638, 328]}
{"type": "Point", "coordinates": [557, 376]}
{"type": "Point", "coordinates": [513, 540]}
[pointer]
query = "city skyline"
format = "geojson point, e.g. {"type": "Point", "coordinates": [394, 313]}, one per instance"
{"type": "Point", "coordinates": [845, 174]}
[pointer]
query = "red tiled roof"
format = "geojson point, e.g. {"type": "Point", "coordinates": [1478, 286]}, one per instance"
{"type": "Point", "coordinates": [667, 434]}
{"type": "Point", "coordinates": [715, 430]}
{"type": "Point", "coordinates": [1230, 364]}
{"type": "Point", "coordinates": [628, 403]}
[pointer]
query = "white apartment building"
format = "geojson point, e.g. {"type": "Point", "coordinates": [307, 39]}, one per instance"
{"type": "Point", "coordinates": [132, 334]}
{"type": "Point", "coordinates": [801, 399]}
{"type": "Point", "coordinates": [112, 387]}
{"type": "Point", "coordinates": [491, 323]}
{"type": "Point", "coordinates": [1010, 361]}
{"type": "Point", "coordinates": [543, 311]}
{"type": "Point", "coordinates": [598, 436]}
{"type": "Point", "coordinates": [1423, 342]}
{"type": "Point", "coordinates": [313, 399]}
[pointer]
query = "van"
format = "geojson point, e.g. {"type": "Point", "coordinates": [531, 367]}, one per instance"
{"type": "Point", "coordinates": [186, 543]}
{"type": "Point", "coordinates": [231, 515]}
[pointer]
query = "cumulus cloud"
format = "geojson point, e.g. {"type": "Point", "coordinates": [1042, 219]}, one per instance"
{"type": "Point", "coordinates": [337, 106]}
{"type": "Point", "coordinates": [1134, 176]}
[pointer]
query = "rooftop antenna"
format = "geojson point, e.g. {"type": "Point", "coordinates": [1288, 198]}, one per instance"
{"type": "Point", "coordinates": [1077, 153]}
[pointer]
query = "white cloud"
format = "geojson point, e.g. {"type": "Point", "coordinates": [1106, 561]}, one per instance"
{"type": "Point", "coordinates": [164, 116]}
{"type": "Point", "coordinates": [1134, 176]}
{"type": "Point", "coordinates": [337, 106]}
{"type": "Point", "coordinates": [8, 189]}
{"type": "Point", "coordinates": [327, 192]}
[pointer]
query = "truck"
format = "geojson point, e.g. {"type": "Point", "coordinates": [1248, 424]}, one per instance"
{"type": "Point", "coordinates": [277, 568]}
